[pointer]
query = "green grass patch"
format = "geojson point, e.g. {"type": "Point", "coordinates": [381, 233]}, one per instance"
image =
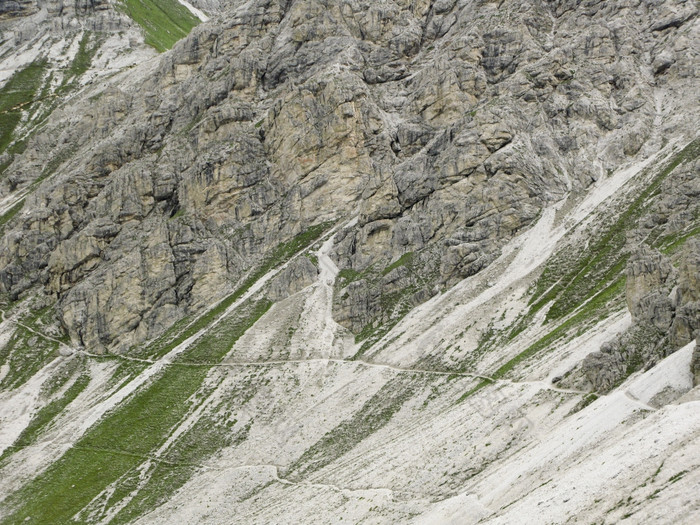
{"type": "Point", "coordinates": [164, 481]}
{"type": "Point", "coordinates": [114, 446]}
{"type": "Point", "coordinates": [55, 162]}
{"type": "Point", "coordinates": [61, 376]}
{"type": "Point", "coordinates": [179, 213]}
{"type": "Point", "coordinates": [87, 49]}
{"type": "Point", "coordinates": [594, 310]}
{"type": "Point", "coordinates": [25, 354]}
{"type": "Point", "coordinates": [46, 415]}
{"type": "Point", "coordinates": [143, 423]}
{"type": "Point", "coordinates": [164, 22]}
{"type": "Point", "coordinates": [570, 279]}
{"type": "Point", "coordinates": [672, 243]}
{"type": "Point", "coordinates": [587, 400]}
{"type": "Point", "coordinates": [125, 371]}
{"type": "Point", "coordinates": [405, 260]}
{"type": "Point", "coordinates": [120, 442]}
{"type": "Point", "coordinates": [67, 486]}
{"type": "Point", "coordinates": [16, 96]}
{"type": "Point", "coordinates": [481, 384]}
{"type": "Point", "coordinates": [209, 435]}
{"type": "Point", "coordinates": [677, 476]}
{"type": "Point", "coordinates": [42, 320]}
{"type": "Point", "coordinates": [347, 276]}
{"type": "Point", "coordinates": [313, 258]}
{"type": "Point", "coordinates": [395, 304]}
{"type": "Point", "coordinates": [218, 341]}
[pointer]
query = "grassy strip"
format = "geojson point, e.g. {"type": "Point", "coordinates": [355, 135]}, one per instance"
{"type": "Point", "coordinates": [474, 390]}
{"type": "Point", "coordinates": [164, 22]}
{"type": "Point", "coordinates": [10, 214]}
{"type": "Point", "coordinates": [216, 343]}
{"type": "Point", "coordinates": [601, 262]}
{"type": "Point", "coordinates": [87, 49]}
{"type": "Point", "coordinates": [68, 485]}
{"type": "Point", "coordinates": [597, 306]}
{"type": "Point", "coordinates": [283, 252]}
{"type": "Point", "coordinates": [46, 415]}
{"type": "Point", "coordinates": [211, 433]}
{"type": "Point", "coordinates": [15, 96]}
{"type": "Point", "coordinates": [23, 90]}
{"type": "Point", "coordinates": [25, 353]}
{"type": "Point", "coordinates": [125, 371]}
{"type": "Point", "coordinates": [405, 260]}
{"type": "Point", "coordinates": [138, 427]}
{"type": "Point", "coordinates": [397, 303]}
{"type": "Point", "coordinates": [42, 318]}
{"type": "Point", "coordinates": [671, 244]}
{"type": "Point", "coordinates": [594, 310]}
{"type": "Point", "coordinates": [165, 480]}
{"type": "Point", "coordinates": [587, 400]}
{"type": "Point", "coordinates": [593, 278]}
{"type": "Point", "coordinates": [313, 258]}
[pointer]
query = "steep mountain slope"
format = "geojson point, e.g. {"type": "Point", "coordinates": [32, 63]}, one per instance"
{"type": "Point", "coordinates": [51, 51]}
{"type": "Point", "coordinates": [379, 262]}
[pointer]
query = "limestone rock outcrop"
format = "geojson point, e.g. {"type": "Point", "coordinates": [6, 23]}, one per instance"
{"type": "Point", "coordinates": [665, 314]}
{"type": "Point", "coordinates": [695, 363]}
{"type": "Point", "coordinates": [445, 127]}
{"type": "Point", "coordinates": [649, 278]}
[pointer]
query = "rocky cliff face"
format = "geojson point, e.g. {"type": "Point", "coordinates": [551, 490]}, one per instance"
{"type": "Point", "coordinates": [16, 9]}
{"type": "Point", "coordinates": [23, 21]}
{"type": "Point", "coordinates": [445, 127]}
{"type": "Point", "coordinates": [662, 290]}
{"type": "Point", "coordinates": [397, 261]}
{"type": "Point", "coordinates": [695, 364]}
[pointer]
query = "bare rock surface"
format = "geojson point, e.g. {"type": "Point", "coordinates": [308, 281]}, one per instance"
{"type": "Point", "coordinates": [396, 261]}
{"type": "Point", "coordinates": [446, 133]}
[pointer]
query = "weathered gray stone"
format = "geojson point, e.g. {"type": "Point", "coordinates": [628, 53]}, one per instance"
{"type": "Point", "coordinates": [445, 133]}
{"type": "Point", "coordinates": [663, 322]}
{"type": "Point", "coordinates": [695, 363]}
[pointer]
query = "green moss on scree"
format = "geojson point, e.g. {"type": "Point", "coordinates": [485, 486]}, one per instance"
{"type": "Point", "coordinates": [395, 304]}
{"type": "Point", "coordinates": [87, 48]}
{"type": "Point", "coordinates": [596, 309]}
{"type": "Point", "coordinates": [17, 95]}
{"type": "Point", "coordinates": [25, 354]}
{"type": "Point", "coordinates": [593, 268]}
{"type": "Point", "coordinates": [126, 437]}
{"type": "Point", "coordinates": [211, 433]}
{"type": "Point", "coordinates": [164, 22]}
{"type": "Point", "coordinates": [41, 421]}
{"type": "Point", "coordinates": [405, 260]}
{"type": "Point", "coordinates": [373, 415]}
{"type": "Point", "coordinates": [10, 214]}
{"type": "Point", "coordinates": [585, 286]}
